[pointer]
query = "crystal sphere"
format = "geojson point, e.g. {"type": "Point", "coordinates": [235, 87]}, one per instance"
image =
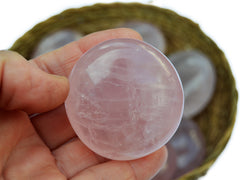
{"type": "Point", "coordinates": [125, 99]}
{"type": "Point", "coordinates": [198, 78]}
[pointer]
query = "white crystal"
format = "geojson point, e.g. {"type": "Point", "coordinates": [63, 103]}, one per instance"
{"type": "Point", "coordinates": [55, 41]}
{"type": "Point", "coordinates": [198, 78]}
{"type": "Point", "coordinates": [189, 146]}
{"type": "Point", "coordinates": [149, 33]}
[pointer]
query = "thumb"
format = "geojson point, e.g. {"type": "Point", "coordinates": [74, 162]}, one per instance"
{"type": "Point", "coordinates": [26, 87]}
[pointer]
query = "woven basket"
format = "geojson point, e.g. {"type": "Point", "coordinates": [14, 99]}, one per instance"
{"type": "Point", "coordinates": [217, 120]}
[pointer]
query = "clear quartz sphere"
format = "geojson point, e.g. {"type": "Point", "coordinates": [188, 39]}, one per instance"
{"type": "Point", "coordinates": [125, 99]}
{"type": "Point", "coordinates": [55, 41]}
{"type": "Point", "coordinates": [149, 33]}
{"type": "Point", "coordinates": [198, 78]}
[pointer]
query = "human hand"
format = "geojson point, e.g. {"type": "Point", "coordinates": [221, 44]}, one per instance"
{"type": "Point", "coordinates": [45, 146]}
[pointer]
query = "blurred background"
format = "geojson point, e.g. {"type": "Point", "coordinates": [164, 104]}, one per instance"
{"type": "Point", "coordinates": [219, 19]}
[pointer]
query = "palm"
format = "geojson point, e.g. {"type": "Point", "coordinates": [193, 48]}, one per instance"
{"type": "Point", "coordinates": [33, 156]}
{"type": "Point", "coordinates": [29, 156]}
{"type": "Point", "coordinates": [71, 155]}
{"type": "Point", "coordinates": [45, 146]}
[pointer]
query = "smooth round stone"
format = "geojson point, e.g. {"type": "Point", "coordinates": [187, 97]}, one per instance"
{"type": "Point", "coordinates": [168, 170]}
{"type": "Point", "coordinates": [125, 99]}
{"type": "Point", "coordinates": [189, 146]}
{"type": "Point", "coordinates": [55, 41]}
{"type": "Point", "coordinates": [149, 33]}
{"type": "Point", "coordinates": [198, 78]}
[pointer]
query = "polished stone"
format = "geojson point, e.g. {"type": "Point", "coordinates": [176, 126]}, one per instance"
{"type": "Point", "coordinates": [125, 99]}
{"type": "Point", "coordinates": [149, 33]}
{"type": "Point", "coordinates": [189, 146]}
{"type": "Point", "coordinates": [55, 41]}
{"type": "Point", "coordinates": [198, 78]}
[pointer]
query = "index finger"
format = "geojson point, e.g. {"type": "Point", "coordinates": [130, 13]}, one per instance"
{"type": "Point", "coordinates": [62, 60]}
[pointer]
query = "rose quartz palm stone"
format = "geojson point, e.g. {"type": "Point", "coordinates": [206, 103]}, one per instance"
{"type": "Point", "coordinates": [125, 99]}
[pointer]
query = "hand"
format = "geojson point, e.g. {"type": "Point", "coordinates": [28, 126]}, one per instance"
{"type": "Point", "coordinates": [45, 146]}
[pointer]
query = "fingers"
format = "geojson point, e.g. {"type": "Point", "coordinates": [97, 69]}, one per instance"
{"type": "Point", "coordinates": [148, 166]}
{"type": "Point", "coordinates": [98, 37]}
{"type": "Point", "coordinates": [62, 60]}
{"type": "Point", "coordinates": [74, 156]}
{"type": "Point", "coordinates": [23, 154]}
{"type": "Point", "coordinates": [140, 169]}
{"type": "Point", "coordinates": [53, 127]}
{"type": "Point", "coordinates": [25, 87]}
{"type": "Point", "coordinates": [11, 129]}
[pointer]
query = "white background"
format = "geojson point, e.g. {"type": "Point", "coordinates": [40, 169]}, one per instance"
{"type": "Point", "coordinates": [219, 19]}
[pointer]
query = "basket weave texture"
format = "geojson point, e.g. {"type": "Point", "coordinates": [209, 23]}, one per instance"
{"type": "Point", "coordinates": [217, 120]}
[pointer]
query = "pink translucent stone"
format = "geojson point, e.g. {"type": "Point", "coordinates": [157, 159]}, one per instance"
{"type": "Point", "coordinates": [125, 99]}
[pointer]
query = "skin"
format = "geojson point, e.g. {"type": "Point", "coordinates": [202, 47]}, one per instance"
{"type": "Point", "coordinates": [45, 146]}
